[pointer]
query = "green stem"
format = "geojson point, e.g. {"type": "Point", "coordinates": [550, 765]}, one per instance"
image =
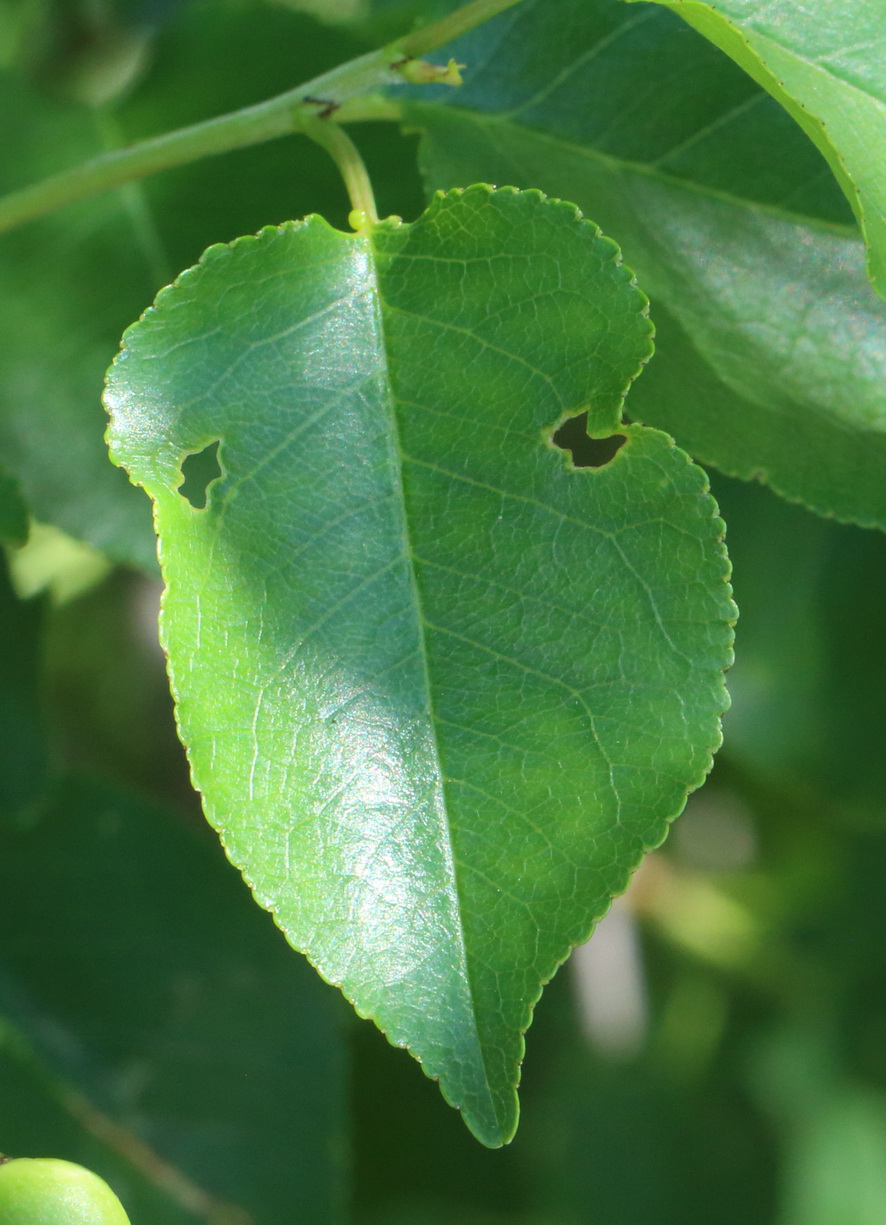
{"type": "Point", "coordinates": [275, 117]}
{"type": "Point", "coordinates": [288, 112]}
{"type": "Point", "coordinates": [368, 108]}
{"type": "Point", "coordinates": [346, 156]}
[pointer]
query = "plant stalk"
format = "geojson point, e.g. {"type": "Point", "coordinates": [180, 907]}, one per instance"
{"type": "Point", "coordinates": [288, 112]}
{"type": "Point", "coordinates": [352, 168]}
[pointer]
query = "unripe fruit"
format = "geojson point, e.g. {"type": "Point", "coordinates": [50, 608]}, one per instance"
{"type": "Point", "coordinates": [45, 1191]}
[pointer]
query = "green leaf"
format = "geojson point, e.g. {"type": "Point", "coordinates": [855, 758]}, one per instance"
{"type": "Point", "coordinates": [376, 21]}
{"type": "Point", "coordinates": [832, 1130]}
{"type": "Point", "coordinates": [771, 347]}
{"type": "Point", "coordinates": [148, 982]}
{"type": "Point", "coordinates": [55, 313]}
{"type": "Point", "coordinates": [826, 67]}
{"type": "Point", "coordinates": [439, 689]}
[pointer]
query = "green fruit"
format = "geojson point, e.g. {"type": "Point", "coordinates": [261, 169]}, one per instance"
{"type": "Point", "coordinates": [44, 1191]}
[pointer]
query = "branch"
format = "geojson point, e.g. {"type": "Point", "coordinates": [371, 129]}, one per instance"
{"type": "Point", "coordinates": [288, 112]}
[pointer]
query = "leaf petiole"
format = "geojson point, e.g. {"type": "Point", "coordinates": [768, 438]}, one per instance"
{"type": "Point", "coordinates": [352, 168]}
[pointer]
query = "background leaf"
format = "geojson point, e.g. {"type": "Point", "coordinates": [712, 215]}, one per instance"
{"type": "Point", "coordinates": [770, 343]}
{"type": "Point", "coordinates": [808, 703]}
{"type": "Point", "coordinates": [41, 1113]}
{"type": "Point", "coordinates": [826, 67]}
{"type": "Point", "coordinates": [757, 1094]}
{"type": "Point", "coordinates": [441, 711]}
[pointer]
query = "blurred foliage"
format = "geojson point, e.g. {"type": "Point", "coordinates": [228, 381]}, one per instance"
{"type": "Point", "coordinates": [134, 960]}
{"type": "Point", "coordinates": [24, 764]}
{"type": "Point", "coordinates": [153, 1024]}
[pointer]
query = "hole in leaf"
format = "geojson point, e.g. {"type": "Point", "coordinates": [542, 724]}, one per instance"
{"type": "Point", "coordinates": [586, 452]}
{"type": "Point", "coordinates": [198, 472]}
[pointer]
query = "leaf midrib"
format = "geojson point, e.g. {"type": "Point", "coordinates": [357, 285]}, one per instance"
{"type": "Point", "coordinates": [408, 553]}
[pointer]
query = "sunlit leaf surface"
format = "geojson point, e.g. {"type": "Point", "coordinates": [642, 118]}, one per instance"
{"type": "Point", "coordinates": [440, 689]}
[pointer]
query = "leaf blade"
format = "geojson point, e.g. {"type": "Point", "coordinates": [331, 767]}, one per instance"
{"type": "Point", "coordinates": [398, 749]}
{"type": "Point", "coordinates": [13, 512]}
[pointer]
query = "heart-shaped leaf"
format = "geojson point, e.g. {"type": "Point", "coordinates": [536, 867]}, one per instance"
{"type": "Point", "coordinates": [440, 689]}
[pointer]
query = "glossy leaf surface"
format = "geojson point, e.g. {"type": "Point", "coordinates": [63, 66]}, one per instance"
{"type": "Point", "coordinates": [439, 689]}
{"type": "Point", "coordinates": [825, 64]}
{"type": "Point", "coordinates": [771, 345]}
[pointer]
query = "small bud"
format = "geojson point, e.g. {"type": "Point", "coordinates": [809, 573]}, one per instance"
{"type": "Point", "coordinates": [421, 72]}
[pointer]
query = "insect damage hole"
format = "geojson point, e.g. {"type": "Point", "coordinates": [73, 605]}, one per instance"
{"type": "Point", "coordinates": [586, 452]}
{"type": "Point", "coordinates": [199, 470]}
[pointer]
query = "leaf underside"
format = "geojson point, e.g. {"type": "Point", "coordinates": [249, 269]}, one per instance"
{"type": "Point", "coordinates": [825, 65]}
{"type": "Point", "coordinates": [440, 689]}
